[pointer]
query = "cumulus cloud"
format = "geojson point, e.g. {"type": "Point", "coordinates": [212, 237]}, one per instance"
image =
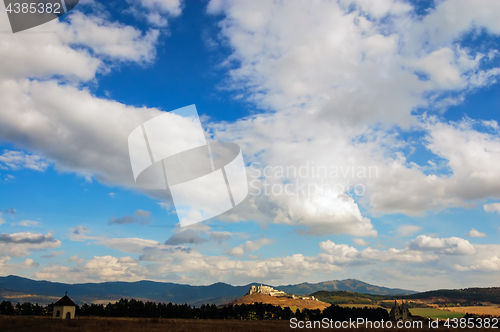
{"type": "Point", "coordinates": [475, 233]}
{"type": "Point", "coordinates": [75, 259]}
{"type": "Point", "coordinates": [16, 160]}
{"type": "Point", "coordinates": [334, 87]}
{"type": "Point", "coordinates": [487, 259]}
{"type": "Point", "coordinates": [343, 254]}
{"type": "Point", "coordinates": [156, 12]}
{"type": "Point", "coordinates": [407, 230]}
{"type": "Point", "coordinates": [98, 268]}
{"type": "Point", "coordinates": [492, 264]}
{"type": "Point", "coordinates": [449, 246]}
{"type": "Point", "coordinates": [111, 39]}
{"type": "Point", "coordinates": [42, 78]}
{"type": "Point", "coordinates": [379, 72]}
{"type": "Point", "coordinates": [249, 246]}
{"type": "Point", "coordinates": [493, 207]}
{"type": "Point", "coordinates": [361, 242]}
{"type": "Point", "coordinates": [166, 262]}
{"type": "Point", "coordinates": [20, 244]}
{"type": "Point", "coordinates": [29, 262]}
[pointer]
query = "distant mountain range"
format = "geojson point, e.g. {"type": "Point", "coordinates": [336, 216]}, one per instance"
{"type": "Point", "coordinates": [470, 296]}
{"type": "Point", "coordinates": [18, 289]}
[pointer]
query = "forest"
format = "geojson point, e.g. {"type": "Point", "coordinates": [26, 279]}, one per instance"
{"type": "Point", "coordinates": [256, 311]}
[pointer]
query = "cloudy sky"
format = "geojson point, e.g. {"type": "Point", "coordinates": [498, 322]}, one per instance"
{"type": "Point", "coordinates": [369, 130]}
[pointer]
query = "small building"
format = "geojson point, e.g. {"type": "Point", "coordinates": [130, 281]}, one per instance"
{"type": "Point", "coordinates": [400, 312]}
{"type": "Point", "coordinates": [64, 308]}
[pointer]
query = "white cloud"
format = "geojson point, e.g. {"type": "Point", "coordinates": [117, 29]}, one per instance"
{"type": "Point", "coordinates": [26, 223]}
{"type": "Point", "coordinates": [129, 245]}
{"type": "Point", "coordinates": [343, 254]}
{"type": "Point", "coordinates": [16, 160]}
{"type": "Point", "coordinates": [487, 259]}
{"type": "Point", "coordinates": [98, 268]}
{"type": "Point", "coordinates": [470, 155]}
{"type": "Point", "coordinates": [339, 253]}
{"type": "Point", "coordinates": [156, 12]}
{"type": "Point", "coordinates": [113, 40]}
{"type": "Point", "coordinates": [407, 230]}
{"type": "Point", "coordinates": [176, 263]}
{"type": "Point", "coordinates": [493, 207]}
{"type": "Point", "coordinates": [29, 263]}
{"type": "Point", "coordinates": [449, 246]}
{"type": "Point", "coordinates": [374, 68]}
{"type": "Point", "coordinates": [249, 246]}
{"type": "Point", "coordinates": [2, 221]}
{"type": "Point", "coordinates": [475, 233]}
{"type": "Point", "coordinates": [42, 78]}
{"type": "Point", "coordinates": [20, 244]}
{"type": "Point", "coordinates": [75, 259]}
{"type": "Point", "coordinates": [492, 264]}
{"type": "Point", "coordinates": [361, 242]}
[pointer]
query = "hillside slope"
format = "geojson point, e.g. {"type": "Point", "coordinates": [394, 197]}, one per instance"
{"type": "Point", "coordinates": [351, 285]}
{"type": "Point", "coordinates": [20, 289]}
{"type": "Point", "coordinates": [281, 301]}
{"type": "Point", "coordinates": [467, 295]}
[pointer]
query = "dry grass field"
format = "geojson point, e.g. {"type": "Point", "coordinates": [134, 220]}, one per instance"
{"type": "Point", "coordinates": [493, 310]}
{"type": "Point", "coordinates": [42, 324]}
{"type": "Point", "coordinates": [360, 305]}
{"type": "Point", "coordinates": [36, 324]}
{"type": "Point", "coordinates": [281, 301]}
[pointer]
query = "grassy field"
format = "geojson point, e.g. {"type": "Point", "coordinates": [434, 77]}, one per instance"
{"type": "Point", "coordinates": [36, 324]}
{"type": "Point", "coordinates": [42, 324]}
{"type": "Point", "coordinates": [359, 305]}
{"type": "Point", "coordinates": [493, 310]}
{"type": "Point", "coordinates": [435, 313]}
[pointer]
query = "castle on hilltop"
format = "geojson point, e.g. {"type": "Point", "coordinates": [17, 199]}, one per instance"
{"type": "Point", "coordinates": [265, 290]}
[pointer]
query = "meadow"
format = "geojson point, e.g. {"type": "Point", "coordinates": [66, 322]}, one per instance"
{"type": "Point", "coordinates": [435, 313]}
{"type": "Point", "coordinates": [491, 310]}
{"type": "Point", "coordinates": [93, 324]}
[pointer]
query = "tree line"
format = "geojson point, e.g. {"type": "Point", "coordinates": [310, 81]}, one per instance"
{"type": "Point", "coordinates": [256, 311]}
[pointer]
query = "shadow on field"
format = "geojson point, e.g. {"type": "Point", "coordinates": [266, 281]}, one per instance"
{"type": "Point", "coordinates": [89, 324]}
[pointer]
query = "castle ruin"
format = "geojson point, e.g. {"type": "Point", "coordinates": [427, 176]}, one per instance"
{"type": "Point", "coordinates": [265, 290]}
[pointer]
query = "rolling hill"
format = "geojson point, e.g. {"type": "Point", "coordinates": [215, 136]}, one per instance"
{"type": "Point", "coordinates": [351, 285]}
{"type": "Point", "coordinates": [464, 296]}
{"type": "Point", "coordinates": [18, 289]}
{"type": "Point", "coordinates": [346, 297]}
{"type": "Point", "coordinates": [281, 301]}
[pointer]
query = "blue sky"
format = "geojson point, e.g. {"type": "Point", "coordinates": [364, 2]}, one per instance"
{"type": "Point", "coordinates": [409, 89]}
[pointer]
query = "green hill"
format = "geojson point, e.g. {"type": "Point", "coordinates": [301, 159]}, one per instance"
{"type": "Point", "coordinates": [346, 297]}
{"type": "Point", "coordinates": [22, 289]}
{"type": "Point", "coordinates": [351, 285]}
{"type": "Point", "coordinates": [470, 296]}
